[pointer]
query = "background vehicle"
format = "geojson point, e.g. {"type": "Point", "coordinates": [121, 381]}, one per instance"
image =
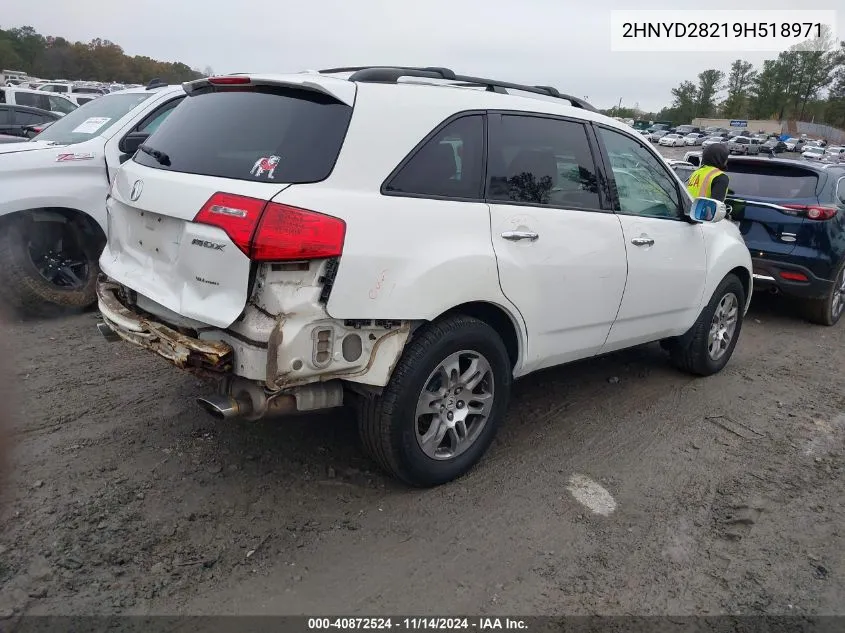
{"type": "Point", "coordinates": [15, 119]}
{"type": "Point", "coordinates": [794, 144]}
{"type": "Point", "coordinates": [671, 140]}
{"type": "Point", "coordinates": [53, 191]}
{"type": "Point", "coordinates": [682, 168]}
{"type": "Point", "coordinates": [773, 146]}
{"type": "Point", "coordinates": [734, 132]}
{"type": "Point", "coordinates": [712, 140]}
{"type": "Point", "coordinates": [73, 91]}
{"type": "Point", "coordinates": [305, 291]}
{"type": "Point", "coordinates": [743, 145]}
{"type": "Point", "coordinates": [35, 99]}
{"type": "Point", "coordinates": [812, 153]}
{"type": "Point", "coordinates": [655, 136]}
{"type": "Point", "coordinates": [798, 245]}
{"type": "Point", "coordinates": [694, 138]}
{"type": "Point", "coordinates": [834, 154]}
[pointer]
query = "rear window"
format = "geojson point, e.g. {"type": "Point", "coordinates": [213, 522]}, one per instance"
{"type": "Point", "coordinates": [772, 181]}
{"type": "Point", "coordinates": [264, 134]}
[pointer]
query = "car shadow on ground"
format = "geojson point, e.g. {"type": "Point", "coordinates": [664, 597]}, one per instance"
{"type": "Point", "coordinates": [325, 446]}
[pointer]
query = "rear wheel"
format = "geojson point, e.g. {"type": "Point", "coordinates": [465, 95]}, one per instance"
{"type": "Point", "coordinates": [828, 311]}
{"type": "Point", "coordinates": [708, 346]}
{"type": "Point", "coordinates": [46, 265]}
{"type": "Point", "coordinates": [445, 400]}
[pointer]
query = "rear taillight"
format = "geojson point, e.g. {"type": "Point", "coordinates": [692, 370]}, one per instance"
{"type": "Point", "coordinates": [814, 212]}
{"type": "Point", "coordinates": [268, 231]}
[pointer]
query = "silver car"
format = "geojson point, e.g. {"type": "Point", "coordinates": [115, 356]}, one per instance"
{"type": "Point", "coordinates": [744, 145]}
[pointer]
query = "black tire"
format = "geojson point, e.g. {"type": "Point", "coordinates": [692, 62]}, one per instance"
{"type": "Point", "coordinates": [821, 311]}
{"type": "Point", "coordinates": [690, 352]}
{"type": "Point", "coordinates": [387, 423]}
{"type": "Point", "coordinates": [24, 289]}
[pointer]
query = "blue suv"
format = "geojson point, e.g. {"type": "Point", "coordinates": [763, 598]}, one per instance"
{"type": "Point", "coordinates": [792, 216]}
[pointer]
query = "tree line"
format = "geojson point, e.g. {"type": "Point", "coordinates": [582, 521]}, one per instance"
{"type": "Point", "coordinates": [49, 57]}
{"type": "Point", "coordinates": [800, 84]}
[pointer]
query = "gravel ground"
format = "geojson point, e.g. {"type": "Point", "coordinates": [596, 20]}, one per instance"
{"type": "Point", "coordinates": [616, 486]}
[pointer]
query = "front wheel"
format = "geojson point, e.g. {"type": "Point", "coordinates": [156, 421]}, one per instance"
{"type": "Point", "coordinates": [445, 400]}
{"type": "Point", "coordinates": [709, 344]}
{"type": "Point", "coordinates": [828, 310]}
{"type": "Point", "coordinates": [47, 265]}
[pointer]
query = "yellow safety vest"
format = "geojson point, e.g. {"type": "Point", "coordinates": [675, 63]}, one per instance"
{"type": "Point", "coordinates": [700, 181]}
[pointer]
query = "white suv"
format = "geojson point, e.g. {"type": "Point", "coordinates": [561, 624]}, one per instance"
{"type": "Point", "coordinates": [413, 240]}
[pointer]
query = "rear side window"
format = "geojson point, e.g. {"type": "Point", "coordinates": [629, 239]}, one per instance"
{"type": "Point", "coordinates": [448, 165]}
{"type": "Point", "coordinates": [538, 160]}
{"type": "Point", "coordinates": [33, 100]}
{"type": "Point", "coordinates": [265, 134]}
{"type": "Point", "coordinates": [772, 181]}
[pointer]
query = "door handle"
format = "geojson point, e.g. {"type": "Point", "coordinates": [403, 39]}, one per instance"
{"type": "Point", "coordinates": [515, 236]}
{"type": "Point", "coordinates": [642, 241]}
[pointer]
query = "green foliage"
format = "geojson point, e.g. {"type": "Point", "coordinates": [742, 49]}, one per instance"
{"type": "Point", "coordinates": [799, 84]}
{"type": "Point", "coordinates": [49, 57]}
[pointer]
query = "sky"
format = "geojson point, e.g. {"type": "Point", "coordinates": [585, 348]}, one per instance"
{"type": "Point", "coordinates": [561, 43]}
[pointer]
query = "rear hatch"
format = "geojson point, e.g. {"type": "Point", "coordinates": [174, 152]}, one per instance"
{"type": "Point", "coordinates": [192, 213]}
{"type": "Point", "coordinates": [757, 185]}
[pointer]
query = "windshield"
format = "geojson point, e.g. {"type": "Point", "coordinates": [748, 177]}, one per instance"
{"type": "Point", "coordinates": [92, 119]}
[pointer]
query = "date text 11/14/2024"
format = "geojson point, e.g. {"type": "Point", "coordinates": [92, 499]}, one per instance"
{"type": "Point", "coordinates": [418, 623]}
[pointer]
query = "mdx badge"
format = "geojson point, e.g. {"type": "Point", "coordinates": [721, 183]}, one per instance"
{"type": "Point", "coordinates": [137, 188]}
{"type": "Point", "coordinates": [206, 244]}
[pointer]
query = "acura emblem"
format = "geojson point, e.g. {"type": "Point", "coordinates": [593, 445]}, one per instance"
{"type": "Point", "coordinates": [137, 188]}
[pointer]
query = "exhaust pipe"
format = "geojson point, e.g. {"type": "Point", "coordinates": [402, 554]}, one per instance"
{"type": "Point", "coordinates": [108, 333]}
{"type": "Point", "coordinates": [225, 407]}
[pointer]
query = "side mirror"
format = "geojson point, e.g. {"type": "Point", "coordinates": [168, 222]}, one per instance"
{"type": "Point", "coordinates": [130, 143]}
{"type": "Point", "coordinates": [707, 210]}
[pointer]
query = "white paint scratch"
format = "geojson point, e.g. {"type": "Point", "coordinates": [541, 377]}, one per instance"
{"type": "Point", "coordinates": [591, 494]}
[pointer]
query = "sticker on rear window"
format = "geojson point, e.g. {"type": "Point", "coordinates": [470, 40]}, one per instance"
{"type": "Point", "coordinates": [265, 165]}
{"type": "Point", "coordinates": [91, 125]}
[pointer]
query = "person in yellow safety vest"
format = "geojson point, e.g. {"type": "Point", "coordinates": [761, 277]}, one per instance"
{"type": "Point", "coordinates": [710, 179]}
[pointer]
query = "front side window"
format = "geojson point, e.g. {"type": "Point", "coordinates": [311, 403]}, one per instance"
{"type": "Point", "coordinates": [153, 122]}
{"type": "Point", "coordinates": [538, 160]}
{"type": "Point", "coordinates": [449, 165]}
{"type": "Point", "coordinates": [646, 188]}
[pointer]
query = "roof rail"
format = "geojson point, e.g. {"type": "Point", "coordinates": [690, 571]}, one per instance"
{"type": "Point", "coordinates": [391, 74]}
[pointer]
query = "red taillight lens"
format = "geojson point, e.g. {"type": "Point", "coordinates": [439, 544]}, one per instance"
{"type": "Point", "coordinates": [289, 233]}
{"type": "Point", "coordinates": [814, 212]}
{"type": "Point", "coordinates": [228, 81]}
{"type": "Point", "coordinates": [794, 276]}
{"type": "Point", "coordinates": [237, 215]}
{"type": "Point", "coordinates": [267, 231]}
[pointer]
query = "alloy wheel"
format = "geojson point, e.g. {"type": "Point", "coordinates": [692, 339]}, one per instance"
{"type": "Point", "coordinates": [723, 326]}
{"type": "Point", "coordinates": [454, 405]}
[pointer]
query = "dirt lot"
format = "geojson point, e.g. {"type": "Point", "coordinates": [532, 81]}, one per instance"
{"type": "Point", "coordinates": [723, 494]}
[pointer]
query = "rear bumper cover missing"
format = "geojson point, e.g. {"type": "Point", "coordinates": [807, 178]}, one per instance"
{"type": "Point", "coordinates": [183, 351]}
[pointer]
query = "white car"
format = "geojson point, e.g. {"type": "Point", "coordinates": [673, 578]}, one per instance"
{"type": "Point", "coordinates": [813, 152]}
{"type": "Point", "coordinates": [694, 138]}
{"type": "Point", "coordinates": [52, 197]}
{"type": "Point", "coordinates": [36, 99]}
{"type": "Point", "coordinates": [834, 154]}
{"type": "Point", "coordinates": [342, 242]}
{"type": "Point", "coordinates": [712, 140]}
{"type": "Point", "coordinates": [671, 140]}
{"type": "Point", "coordinates": [77, 94]}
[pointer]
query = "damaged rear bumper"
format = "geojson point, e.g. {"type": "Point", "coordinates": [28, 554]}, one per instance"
{"type": "Point", "coordinates": [183, 351]}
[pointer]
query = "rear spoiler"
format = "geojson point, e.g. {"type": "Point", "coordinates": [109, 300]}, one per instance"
{"type": "Point", "coordinates": [340, 89]}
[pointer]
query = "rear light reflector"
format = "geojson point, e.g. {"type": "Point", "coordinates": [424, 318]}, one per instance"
{"type": "Point", "coordinates": [268, 231]}
{"type": "Point", "coordinates": [814, 212]}
{"type": "Point", "coordinates": [229, 81]}
{"type": "Point", "coordinates": [794, 276]}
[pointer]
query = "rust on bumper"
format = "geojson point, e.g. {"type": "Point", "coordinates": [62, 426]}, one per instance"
{"type": "Point", "coordinates": [183, 351]}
